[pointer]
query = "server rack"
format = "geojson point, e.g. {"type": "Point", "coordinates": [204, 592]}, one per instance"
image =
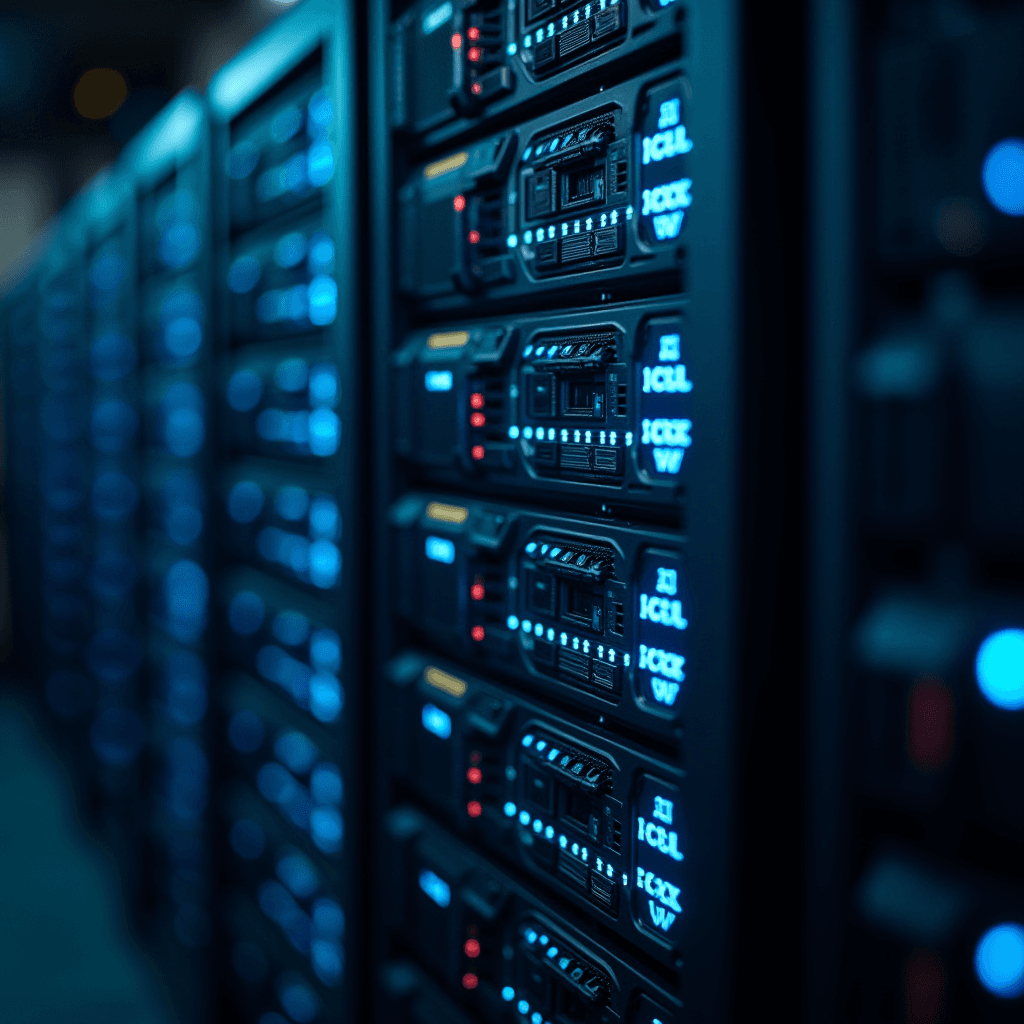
{"type": "Point", "coordinates": [289, 505]}
{"type": "Point", "coordinates": [168, 164]}
{"type": "Point", "coordinates": [559, 365]}
{"type": "Point", "coordinates": [915, 901]}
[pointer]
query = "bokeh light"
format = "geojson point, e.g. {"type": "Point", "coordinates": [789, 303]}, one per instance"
{"type": "Point", "coordinates": [999, 960]}
{"type": "Point", "coordinates": [99, 93]}
{"type": "Point", "coordinates": [999, 669]}
{"type": "Point", "coordinates": [1002, 177]}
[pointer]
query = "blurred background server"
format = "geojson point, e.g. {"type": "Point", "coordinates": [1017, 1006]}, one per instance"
{"type": "Point", "coordinates": [513, 511]}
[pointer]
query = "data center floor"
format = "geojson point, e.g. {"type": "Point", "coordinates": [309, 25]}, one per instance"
{"type": "Point", "coordinates": [65, 954]}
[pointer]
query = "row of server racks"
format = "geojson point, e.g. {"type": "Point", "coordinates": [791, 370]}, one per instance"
{"type": "Point", "coordinates": [516, 515]}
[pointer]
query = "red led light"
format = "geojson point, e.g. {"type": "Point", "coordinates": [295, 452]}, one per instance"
{"type": "Point", "coordinates": [477, 633]}
{"type": "Point", "coordinates": [476, 757]}
{"type": "Point", "coordinates": [475, 776]}
{"type": "Point", "coordinates": [471, 949]}
{"type": "Point", "coordinates": [477, 451]}
{"type": "Point", "coordinates": [456, 41]}
{"type": "Point", "coordinates": [474, 237]}
{"type": "Point", "coordinates": [470, 981]}
{"type": "Point", "coordinates": [459, 202]}
{"type": "Point", "coordinates": [474, 53]}
{"type": "Point", "coordinates": [477, 419]}
{"type": "Point", "coordinates": [476, 88]}
{"type": "Point", "coordinates": [930, 724]}
{"type": "Point", "coordinates": [477, 591]}
{"type": "Point", "coordinates": [473, 34]}
{"type": "Point", "coordinates": [476, 400]}
{"type": "Point", "coordinates": [473, 809]}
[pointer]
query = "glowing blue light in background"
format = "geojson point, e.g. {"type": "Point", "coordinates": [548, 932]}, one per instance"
{"type": "Point", "coordinates": [436, 721]}
{"type": "Point", "coordinates": [325, 783]}
{"type": "Point", "coordinates": [324, 432]}
{"type": "Point", "coordinates": [244, 274]}
{"type": "Point", "coordinates": [999, 669]}
{"type": "Point", "coordinates": [438, 380]}
{"type": "Point", "coordinates": [184, 432]}
{"type": "Point", "coordinates": [1002, 177]}
{"type": "Point", "coordinates": [325, 650]}
{"type": "Point", "coordinates": [290, 249]}
{"type": "Point", "coordinates": [320, 164]}
{"type": "Point", "coordinates": [323, 300]}
{"type": "Point", "coordinates": [324, 564]}
{"type": "Point", "coordinates": [242, 161]}
{"type": "Point", "coordinates": [323, 518]}
{"type": "Point", "coordinates": [323, 385]}
{"type": "Point", "coordinates": [321, 253]}
{"type": "Point", "coordinates": [245, 501]}
{"type": "Point", "coordinates": [291, 375]}
{"type": "Point", "coordinates": [183, 336]}
{"type": "Point", "coordinates": [321, 114]}
{"type": "Point", "coordinates": [297, 751]}
{"type": "Point", "coordinates": [186, 592]}
{"type": "Point", "coordinates": [245, 388]}
{"type": "Point", "coordinates": [436, 888]}
{"type": "Point", "coordinates": [291, 503]}
{"type": "Point", "coordinates": [999, 960]}
{"type": "Point", "coordinates": [179, 245]}
{"type": "Point", "coordinates": [246, 612]}
{"type": "Point", "coordinates": [326, 698]}
{"type": "Point", "coordinates": [440, 549]}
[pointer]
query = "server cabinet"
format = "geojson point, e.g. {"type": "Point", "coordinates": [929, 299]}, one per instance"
{"type": "Point", "coordinates": [915, 904]}
{"type": "Point", "coordinates": [287, 598]}
{"type": "Point", "coordinates": [558, 377]}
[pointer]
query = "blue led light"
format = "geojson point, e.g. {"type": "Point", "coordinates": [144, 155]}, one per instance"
{"type": "Point", "coordinates": [510, 809]}
{"type": "Point", "coordinates": [323, 385]}
{"type": "Point", "coordinates": [999, 960]}
{"type": "Point", "coordinates": [320, 164]}
{"type": "Point", "coordinates": [508, 993]}
{"type": "Point", "coordinates": [321, 252]}
{"type": "Point", "coordinates": [326, 828]}
{"type": "Point", "coordinates": [297, 872]}
{"type": "Point", "coordinates": [528, 739]}
{"type": "Point", "coordinates": [325, 650]}
{"type": "Point", "coordinates": [325, 783]}
{"type": "Point", "coordinates": [246, 612]}
{"type": "Point", "coordinates": [245, 388]}
{"type": "Point", "coordinates": [186, 592]}
{"type": "Point", "coordinates": [321, 113]}
{"type": "Point", "coordinates": [297, 751]}
{"type": "Point", "coordinates": [183, 336]}
{"type": "Point", "coordinates": [243, 274]}
{"type": "Point", "coordinates": [523, 1006]}
{"type": "Point", "coordinates": [999, 669]}
{"type": "Point", "coordinates": [328, 918]}
{"type": "Point", "coordinates": [323, 518]}
{"type": "Point", "coordinates": [440, 549]}
{"type": "Point", "coordinates": [436, 888]}
{"type": "Point", "coordinates": [300, 1002]}
{"type": "Point", "coordinates": [290, 249]}
{"type": "Point", "coordinates": [436, 721]}
{"type": "Point", "coordinates": [326, 698]}
{"type": "Point", "coordinates": [324, 564]}
{"type": "Point", "coordinates": [524, 818]}
{"type": "Point", "coordinates": [245, 501]}
{"type": "Point", "coordinates": [513, 432]}
{"type": "Point", "coordinates": [184, 432]}
{"type": "Point", "coordinates": [512, 622]}
{"type": "Point", "coordinates": [438, 380]}
{"type": "Point", "coordinates": [1002, 176]}
{"type": "Point", "coordinates": [179, 245]}
{"type": "Point", "coordinates": [323, 300]}
{"type": "Point", "coordinates": [324, 432]}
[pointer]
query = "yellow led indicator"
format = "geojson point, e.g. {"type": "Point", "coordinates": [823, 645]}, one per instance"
{"type": "Point", "coordinates": [447, 513]}
{"type": "Point", "coordinates": [442, 681]}
{"type": "Point", "coordinates": [448, 339]}
{"type": "Point", "coordinates": [444, 165]}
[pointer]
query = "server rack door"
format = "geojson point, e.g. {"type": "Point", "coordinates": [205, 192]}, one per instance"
{"type": "Point", "coordinates": [918, 600]}
{"type": "Point", "coordinates": [556, 359]}
{"type": "Point", "coordinates": [288, 507]}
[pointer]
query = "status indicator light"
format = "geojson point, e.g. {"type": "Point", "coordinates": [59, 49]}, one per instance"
{"type": "Point", "coordinates": [475, 776]}
{"type": "Point", "coordinates": [474, 237]}
{"type": "Point", "coordinates": [476, 400]}
{"type": "Point", "coordinates": [459, 202]}
{"type": "Point", "coordinates": [477, 451]}
{"type": "Point", "coordinates": [477, 419]}
{"type": "Point", "coordinates": [471, 948]}
{"type": "Point", "coordinates": [457, 41]}
{"type": "Point", "coordinates": [477, 591]}
{"type": "Point", "coordinates": [474, 809]}
{"type": "Point", "coordinates": [470, 981]}
{"type": "Point", "coordinates": [473, 34]}
{"type": "Point", "coordinates": [474, 53]}
{"type": "Point", "coordinates": [477, 633]}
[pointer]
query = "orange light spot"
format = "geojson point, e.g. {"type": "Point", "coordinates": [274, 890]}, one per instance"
{"type": "Point", "coordinates": [476, 400]}
{"type": "Point", "coordinates": [456, 41]}
{"type": "Point", "coordinates": [474, 53]}
{"type": "Point", "coordinates": [476, 88]}
{"type": "Point", "coordinates": [471, 949]}
{"type": "Point", "coordinates": [473, 809]}
{"type": "Point", "coordinates": [477, 451]}
{"type": "Point", "coordinates": [470, 981]}
{"type": "Point", "coordinates": [477, 419]}
{"type": "Point", "coordinates": [473, 34]}
{"type": "Point", "coordinates": [459, 202]}
{"type": "Point", "coordinates": [477, 633]}
{"type": "Point", "coordinates": [475, 776]}
{"type": "Point", "coordinates": [477, 591]}
{"type": "Point", "coordinates": [474, 237]}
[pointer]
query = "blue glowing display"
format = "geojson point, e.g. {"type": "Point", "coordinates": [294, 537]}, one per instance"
{"type": "Point", "coordinates": [436, 888]}
{"type": "Point", "coordinates": [1002, 177]}
{"type": "Point", "coordinates": [999, 960]}
{"type": "Point", "coordinates": [245, 388]}
{"type": "Point", "coordinates": [436, 721]}
{"type": "Point", "coordinates": [665, 188]}
{"type": "Point", "coordinates": [246, 612]}
{"type": "Point", "coordinates": [440, 549]}
{"type": "Point", "coordinates": [658, 882]}
{"type": "Point", "coordinates": [661, 621]}
{"type": "Point", "coordinates": [999, 669]}
{"type": "Point", "coordinates": [438, 380]}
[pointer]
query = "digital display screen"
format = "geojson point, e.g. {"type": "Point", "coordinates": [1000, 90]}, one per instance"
{"type": "Point", "coordinates": [663, 385]}
{"type": "Point", "coordinates": [663, 144]}
{"type": "Point", "coordinates": [658, 858]}
{"type": "Point", "coordinates": [662, 610]}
